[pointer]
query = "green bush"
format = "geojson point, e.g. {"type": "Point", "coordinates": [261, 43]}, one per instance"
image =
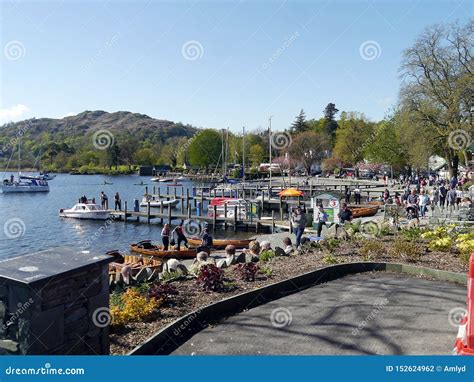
{"type": "Point", "coordinates": [266, 255]}
{"type": "Point", "coordinates": [406, 250]}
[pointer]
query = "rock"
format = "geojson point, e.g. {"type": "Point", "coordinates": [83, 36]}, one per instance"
{"type": "Point", "coordinates": [331, 232]}
{"type": "Point", "coordinates": [341, 233]}
{"type": "Point", "coordinates": [11, 346]}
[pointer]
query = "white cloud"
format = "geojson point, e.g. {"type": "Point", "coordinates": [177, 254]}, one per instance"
{"type": "Point", "coordinates": [13, 113]}
{"type": "Point", "coordinates": [70, 114]}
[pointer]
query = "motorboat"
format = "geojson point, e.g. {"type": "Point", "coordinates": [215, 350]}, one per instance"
{"type": "Point", "coordinates": [227, 207]}
{"type": "Point", "coordinates": [85, 211]}
{"type": "Point", "coordinates": [161, 180]}
{"type": "Point", "coordinates": [156, 203]}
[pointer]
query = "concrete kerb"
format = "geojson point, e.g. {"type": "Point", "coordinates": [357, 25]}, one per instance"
{"type": "Point", "coordinates": [178, 332]}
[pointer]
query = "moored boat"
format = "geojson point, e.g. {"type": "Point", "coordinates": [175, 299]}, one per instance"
{"type": "Point", "coordinates": [221, 243]}
{"type": "Point", "coordinates": [137, 267]}
{"type": "Point", "coordinates": [364, 211]}
{"type": "Point", "coordinates": [147, 248]}
{"type": "Point", "coordinates": [85, 211]}
{"type": "Point", "coordinates": [156, 203]}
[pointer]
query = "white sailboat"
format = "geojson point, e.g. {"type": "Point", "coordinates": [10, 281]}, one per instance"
{"type": "Point", "coordinates": [23, 185]}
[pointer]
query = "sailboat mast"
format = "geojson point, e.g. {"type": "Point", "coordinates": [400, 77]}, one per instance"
{"type": "Point", "coordinates": [243, 154]}
{"type": "Point", "coordinates": [19, 154]}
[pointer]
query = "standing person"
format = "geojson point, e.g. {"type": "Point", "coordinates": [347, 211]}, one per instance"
{"type": "Point", "coordinates": [423, 203]}
{"type": "Point", "coordinates": [118, 202]}
{"type": "Point", "coordinates": [443, 192]}
{"type": "Point", "coordinates": [104, 201]}
{"type": "Point", "coordinates": [206, 238]}
{"type": "Point", "coordinates": [386, 195]}
{"type": "Point", "coordinates": [180, 237]}
{"type": "Point", "coordinates": [458, 197]}
{"type": "Point", "coordinates": [345, 215]}
{"type": "Point", "coordinates": [165, 236]}
{"type": "Point", "coordinates": [451, 199]}
{"type": "Point", "coordinates": [322, 218]}
{"type": "Point", "coordinates": [348, 194]}
{"type": "Point", "coordinates": [412, 205]}
{"type": "Point", "coordinates": [453, 182]}
{"type": "Point", "coordinates": [357, 194]}
{"type": "Point", "coordinates": [434, 197]}
{"type": "Point", "coordinates": [298, 220]}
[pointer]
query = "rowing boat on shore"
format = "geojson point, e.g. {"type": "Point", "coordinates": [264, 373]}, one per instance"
{"type": "Point", "coordinates": [139, 268]}
{"type": "Point", "coordinates": [364, 211]}
{"type": "Point", "coordinates": [221, 243]}
{"type": "Point", "coordinates": [147, 248]}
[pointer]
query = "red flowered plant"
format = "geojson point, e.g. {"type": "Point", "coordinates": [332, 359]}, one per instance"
{"type": "Point", "coordinates": [162, 291]}
{"type": "Point", "coordinates": [211, 278]}
{"type": "Point", "coordinates": [247, 271]}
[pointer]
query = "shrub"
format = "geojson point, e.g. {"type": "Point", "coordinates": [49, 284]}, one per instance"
{"type": "Point", "coordinates": [267, 271]}
{"type": "Point", "coordinates": [211, 278]}
{"type": "Point", "coordinates": [407, 250]}
{"type": "Point", "coordinates": [166, 276]}
{"type": "Point", "coordinates": [411, 233]}
{"type": "Point", "coordinates": [161, 292]}
{"type": "Point", "coordinates": [442, 244]}
{"type": "Point", "coordinates": [332, 244]}
{"type": "Point", "coordinates": [371, 248]}
{"type": "Point", "coordinates": [465, 243]}
{"type": "Point", "coordinates": [132, 306]}
{"type": "Point", "coordinates": [247, 271]}
{"type": "Point", "coordinates": [266, 255]}
{"type": "Point", "coordinates": [329, 259]}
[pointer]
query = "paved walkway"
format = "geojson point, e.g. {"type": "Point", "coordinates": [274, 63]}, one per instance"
{"type": "Point", "coordinates": [360, 314]}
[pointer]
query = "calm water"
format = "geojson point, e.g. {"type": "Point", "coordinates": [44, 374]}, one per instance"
{"type": "Point", "coordinates": [30, 222]}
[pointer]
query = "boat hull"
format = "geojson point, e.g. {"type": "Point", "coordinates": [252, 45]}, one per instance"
{"type": "Point", "coordinates": [157, 204]}
{"type": "Point", "coordinates": [221, 243]}
{"type": "Point", "coordinates": [85, 216]}
{"type": "Point", "coordinates": [364, 211]}
{"type": "Point", "coordinates": [158, 253]}
{"type": "Point", "coordinates": [22, 189]}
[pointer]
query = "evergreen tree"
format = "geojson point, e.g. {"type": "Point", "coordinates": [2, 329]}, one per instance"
{"type": "Point", "coordinates": [299, 125]}
{"type": "Point", "coordinates": [330, 119]}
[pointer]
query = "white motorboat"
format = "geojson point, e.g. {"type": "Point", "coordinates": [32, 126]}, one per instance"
{"type": "Point", "coordinates": [161, 180]}
{"type": "Point", "coordinates": [85, 211]}
{"type": "Point", "coordinates": [156, 203]}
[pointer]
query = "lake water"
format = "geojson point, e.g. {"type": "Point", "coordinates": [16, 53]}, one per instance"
{"type": "Point", "coordinates": [29, 222]}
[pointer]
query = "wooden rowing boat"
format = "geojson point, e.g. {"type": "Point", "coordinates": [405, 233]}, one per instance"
{"type": "Point", "coordinates": [364, 211]}
{"type": "Point", "coordinates": [221, 243]}
{"type": "Point", "coordinates": [147, 248]}
{"type": "Point", "coordinates": [141, 268]}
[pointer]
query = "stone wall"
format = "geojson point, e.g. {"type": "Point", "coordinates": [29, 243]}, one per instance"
{"type": "Point", "coordinates": [65, 313]}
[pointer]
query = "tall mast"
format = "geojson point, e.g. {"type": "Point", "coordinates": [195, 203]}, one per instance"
{"type": "Point", "coordinates": [243, 154]}
{"type": "Point", "coordinates": [222, 152]}
{"type": "Point", "coordinates": [19, 154]}
{"type": "Point", "coordinates": [270, 146]}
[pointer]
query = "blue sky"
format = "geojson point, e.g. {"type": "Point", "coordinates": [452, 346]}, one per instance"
{"type": "Point", "coordinates": [211, 64]}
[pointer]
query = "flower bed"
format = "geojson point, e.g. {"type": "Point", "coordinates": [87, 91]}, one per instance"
{"type": "Point", "coordinates": [412, 246]}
